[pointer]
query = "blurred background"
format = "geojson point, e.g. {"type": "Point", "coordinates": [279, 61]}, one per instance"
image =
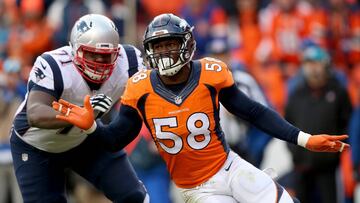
{"type": "Point", "coordinates": [299, 57]}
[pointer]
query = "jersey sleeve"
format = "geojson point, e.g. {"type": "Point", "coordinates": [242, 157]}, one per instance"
{"type": "Point", "coordinates": [129, 98]}
{"type": "Point", "coordinates": [135, 88]}
{"type": "Point", "coordinates": [217, 73]}
{"type": "Point", "coordinates": [45, 76]}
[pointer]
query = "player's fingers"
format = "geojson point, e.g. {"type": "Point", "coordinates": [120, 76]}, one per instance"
{"type": "Point", "coordinates": [87, 103]}
{"type": "Point", "coordinates": [335, 146]}
{"type": "Point", "coordinates": [66, 103]}
{"type": "Point", "coordinates": [337, 137]}
{"type": "Point", "coordinates": [341, 146]}
{"type": "Point", "coordinates": [67, 112]}
{"type": "Point", "coordinates": [102, 95]}
{"type": "Point", "coordinates": [55, 105]}
{"type": "Point", "coordinates": [346, 147]}
{"type": "Point", "coordinates": [95, 101]}
{"type": "Point", "coordinates": [60, 108]}
{"type": "Point", "coordinates": [63, 118]}
{"type": "Point", "coordinates": [101, 109]}
{"type": "Point", "coordinates": [105, 102]}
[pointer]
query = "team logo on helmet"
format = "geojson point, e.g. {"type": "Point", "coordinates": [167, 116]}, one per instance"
{"type": "Point", "coordinates": [95, 34]}
{"type": "Point", "coordinates": [83, 27]}
{"type": "Point", "coordinates": [183, 24]}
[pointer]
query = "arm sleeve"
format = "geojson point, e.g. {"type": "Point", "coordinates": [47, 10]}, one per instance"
{"type": "Point", "coordinates": [121, 131]}
{"type": "Point", "coordinates": [262, 117]}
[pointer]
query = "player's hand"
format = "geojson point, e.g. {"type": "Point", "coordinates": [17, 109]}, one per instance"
{"type": "Point", "coordinates": [101, 102]}
{"type": "Point", "coordinates": [82, 117]}
{"type": "Point", "coordinates": [327, 143]}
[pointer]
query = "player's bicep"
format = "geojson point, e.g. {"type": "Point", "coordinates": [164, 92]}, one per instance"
{"type": "Point", "coordinates": [237, 103]}
{"type": "Point", "coordinates": [38, 103]}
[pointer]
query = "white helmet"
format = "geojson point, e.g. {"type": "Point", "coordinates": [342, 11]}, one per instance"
{"type": "Point", "coordinates": [95, 47]}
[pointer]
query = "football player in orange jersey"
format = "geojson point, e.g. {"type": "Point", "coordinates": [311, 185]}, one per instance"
{"type": "Point", "coordinates": [178, 99]}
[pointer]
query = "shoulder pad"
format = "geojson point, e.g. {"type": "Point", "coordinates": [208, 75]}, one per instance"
{"type": "Point", "coordinates": [215, 73]}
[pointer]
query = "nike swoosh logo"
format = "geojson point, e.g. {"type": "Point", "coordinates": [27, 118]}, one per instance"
{"type": "Point", "coordinates": [227, 168]}
{"type": "Point", "coordinates": [42, 65]}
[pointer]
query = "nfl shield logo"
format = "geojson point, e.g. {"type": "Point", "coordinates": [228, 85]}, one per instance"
{"type": "Point", "coordinates": [24, 156]}
{"type": "Point", "coordinates": [178, 100]}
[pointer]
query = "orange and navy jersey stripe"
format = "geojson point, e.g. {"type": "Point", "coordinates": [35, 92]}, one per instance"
{"type": "Point", "coordinates": [184, 126]}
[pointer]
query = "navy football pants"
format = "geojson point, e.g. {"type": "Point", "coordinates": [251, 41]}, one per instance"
{"type": "Point", "coordinates": [41, 175]}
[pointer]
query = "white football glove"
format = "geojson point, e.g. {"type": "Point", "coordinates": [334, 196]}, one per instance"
{"type": "Point", "coordinates": [101, 102]}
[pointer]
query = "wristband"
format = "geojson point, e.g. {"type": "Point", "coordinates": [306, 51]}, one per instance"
{"type": "Point", "coordinates": [303, 138]}
{"type": "Point", "coordinates": [91, 129]}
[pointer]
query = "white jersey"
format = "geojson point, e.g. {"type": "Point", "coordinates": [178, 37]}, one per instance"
{"type": "Point", "coordinates": [55, 73]}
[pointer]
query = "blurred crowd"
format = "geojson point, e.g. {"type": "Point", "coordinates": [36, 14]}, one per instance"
{"type": "Point", "coordinates": [303, 54]}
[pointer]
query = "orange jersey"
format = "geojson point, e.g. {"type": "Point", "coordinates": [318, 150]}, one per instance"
{"type": "Point", "coordinates": [184, 126]}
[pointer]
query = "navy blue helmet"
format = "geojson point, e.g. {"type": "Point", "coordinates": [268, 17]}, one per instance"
{"type": "Point", "coordinates": [164, 27]}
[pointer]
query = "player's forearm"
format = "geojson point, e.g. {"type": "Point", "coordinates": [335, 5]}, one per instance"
{"type": "Point", "coordinates": [43, 116]}
{"type": "Point", "coordinates": [121, 131]}
{"type": "Point", "coordinates": [272, 123]}
{"type": "Point", "coordinates": [264, 118]}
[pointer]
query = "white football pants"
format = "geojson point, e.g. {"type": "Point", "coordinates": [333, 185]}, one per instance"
{"type": "Point", "coordinates": [237, 182]}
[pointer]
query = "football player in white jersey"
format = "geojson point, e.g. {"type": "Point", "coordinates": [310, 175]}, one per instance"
{"type": "Point", "coordinates": [43, 147]}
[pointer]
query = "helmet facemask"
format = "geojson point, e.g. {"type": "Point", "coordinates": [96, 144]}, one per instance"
{"type": "Point", "coordinates": [170, 62]}
{"type": "Point", "coordinates": [96, 64]}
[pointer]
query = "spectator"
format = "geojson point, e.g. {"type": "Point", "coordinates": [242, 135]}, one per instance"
{"type": "Point", "coordinates": [153, 8]}
{"type": "Point", "coordinates": [210, 22]}
{"type": "Point", "coordinates": [63, 13]}
{"type": "Point", "coordinates": [284, 29]}
{"type": "Point", "coordinates": [119, 12]}
{"type": "Point", "coordinates": [323, 97]}
{"type": "Point", "coordinates": [246, 32]}
{"type": "Point", "coordinates": [31, 36]}
{"type": "Point", "coordinates": [6, 19]}
{"type": "Point", "coordinates": [343, 21]}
